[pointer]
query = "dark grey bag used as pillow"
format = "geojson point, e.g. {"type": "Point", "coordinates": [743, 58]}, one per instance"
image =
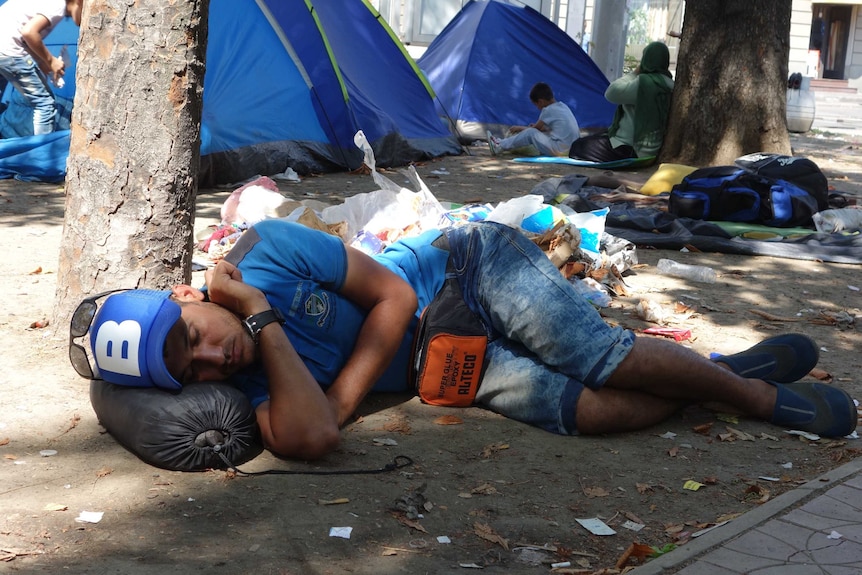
{"type": "Point", "coordinates": [184, 431]}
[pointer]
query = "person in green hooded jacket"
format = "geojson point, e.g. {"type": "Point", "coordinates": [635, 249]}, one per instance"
{"type": "Point", "coordinates": [643, 105]}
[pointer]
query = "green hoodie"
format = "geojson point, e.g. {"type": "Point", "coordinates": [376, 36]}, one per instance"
{"type": "Point", "coordinates": [644, 103]}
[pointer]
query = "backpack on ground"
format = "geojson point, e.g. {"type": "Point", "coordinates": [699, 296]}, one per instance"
{"type": "Point", "coordinates": [768, 189]}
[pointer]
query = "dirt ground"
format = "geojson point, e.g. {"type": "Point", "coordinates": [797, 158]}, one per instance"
{"type": "Point", "coordinates": [505, 495]}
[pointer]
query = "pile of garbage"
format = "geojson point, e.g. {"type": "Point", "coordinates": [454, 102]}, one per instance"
{"type": "Point", "coordinates": [575, 242]}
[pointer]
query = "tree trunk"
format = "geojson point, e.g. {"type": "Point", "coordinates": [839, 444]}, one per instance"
{"type": "Point", "coordinates": [135, 148]}
{"type": "Point", "coordinates": [731, 80]}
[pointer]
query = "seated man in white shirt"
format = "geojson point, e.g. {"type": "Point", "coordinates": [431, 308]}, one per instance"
{"type": "Point", "coordinates": [551, 135]}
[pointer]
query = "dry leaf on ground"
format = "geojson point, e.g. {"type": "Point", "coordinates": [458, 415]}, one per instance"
{"type": "Point", "coordinates": [490, 450]}
{"type": "Point", "coordinates": [485, 532]}
{"type": "Point", "coordinates": [398, 425]}
{"type": "Point", "coordinates": [484, 489]}
{"type": "Point", "coordinates": [409, 523]}
{"type": "Point", "coordinates": [771, 317]}
{"type": "Point", "coordinates": [596, 492]}
{"type": "Point", "coordinates": [448, 420]}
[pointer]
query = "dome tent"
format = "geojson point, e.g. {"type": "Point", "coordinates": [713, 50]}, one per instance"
{"type": "Point", "coordinates": [484, 62]}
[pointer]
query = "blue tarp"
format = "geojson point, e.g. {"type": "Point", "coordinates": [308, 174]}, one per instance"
{"type": "Point", "coordinates": [484, 62]}
{"type": "Point", "coordinates": [35, 158]}
{"type": "Point", "coordinates": [289, 82]}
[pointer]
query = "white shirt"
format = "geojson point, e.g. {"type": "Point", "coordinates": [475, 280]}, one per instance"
{"type": "Point", "coordinates": [562, 125]}
{"type": "Point", "coordinates": [15, 14]}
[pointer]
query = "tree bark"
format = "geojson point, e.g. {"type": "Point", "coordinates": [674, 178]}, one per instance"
{"type": "Point", "coordinates": [729, 99]}
{"type": "Point", "coordinates": [135, 148]}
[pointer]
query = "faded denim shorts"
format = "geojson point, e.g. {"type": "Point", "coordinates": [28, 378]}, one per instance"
{"type": "Point", "coordinates": [546, 341]}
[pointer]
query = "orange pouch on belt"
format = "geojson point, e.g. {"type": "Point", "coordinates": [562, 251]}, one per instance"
{"type": "Point", "coordinates": [449, 350]}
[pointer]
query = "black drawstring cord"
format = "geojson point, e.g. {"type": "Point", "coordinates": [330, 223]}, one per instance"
{"type": "Point", "coordinates": [399, 462]}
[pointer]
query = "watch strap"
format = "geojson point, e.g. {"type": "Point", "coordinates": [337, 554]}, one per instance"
{"type": "Point", "coordinates": [256, 322]}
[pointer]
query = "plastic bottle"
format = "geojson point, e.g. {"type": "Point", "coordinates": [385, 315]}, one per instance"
{"type": "Point", "coordinates": [701, 274]}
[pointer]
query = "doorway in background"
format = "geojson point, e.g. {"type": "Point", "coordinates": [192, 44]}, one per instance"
{"type": "Point", "coordinates": [830, 32]}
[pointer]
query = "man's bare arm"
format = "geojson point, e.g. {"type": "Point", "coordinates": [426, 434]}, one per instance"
{"type": "Point", "coordinates": [390, 303]}
{"type": "Point", "coordinates": [31, 34]}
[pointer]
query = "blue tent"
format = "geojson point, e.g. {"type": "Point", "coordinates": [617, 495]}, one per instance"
{"type": "Point", "coordinates": [484, 62]}
{"type": "Point", "coordinates": [289, 82]}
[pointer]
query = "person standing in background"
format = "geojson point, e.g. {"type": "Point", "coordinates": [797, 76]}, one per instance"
{"type": "Point", "coordinates": [25, 61]}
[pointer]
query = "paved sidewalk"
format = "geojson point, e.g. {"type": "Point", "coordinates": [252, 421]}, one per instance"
{"type": "Point", "coordinates": [813, 530]}
{"type": "Point", "coordinates": [838, 112]}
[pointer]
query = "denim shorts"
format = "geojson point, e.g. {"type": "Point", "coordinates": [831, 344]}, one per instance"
{"type": "Point", "coordinates": [546, 341]}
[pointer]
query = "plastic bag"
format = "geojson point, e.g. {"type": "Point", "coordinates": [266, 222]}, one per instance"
{"type": "Point", "coordinates": [456, 216]}
{"type": "Point", "coordinates": [593, 291]}
{"type": "Point", "coordinates": [390, 213]}
{"type": "Point", "coordinates": [591, 226]}
{"type": "Point", "coordinates": [513, 212]}
{"type": "Point", "coordinates": [831, 221]}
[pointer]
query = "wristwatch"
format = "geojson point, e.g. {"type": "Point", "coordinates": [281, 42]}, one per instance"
{"type": "Point", "coordinates": [256, 322]}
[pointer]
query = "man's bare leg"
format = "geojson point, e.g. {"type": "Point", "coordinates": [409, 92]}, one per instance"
{"type": "Point", "coordinates": [656, 379]}
{"type": "Point", "coordinates": [616, 410]}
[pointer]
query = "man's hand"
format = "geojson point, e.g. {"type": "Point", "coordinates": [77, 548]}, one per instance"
{"type": "Point", "coordinates": [226, 288]}
{"type": "Point", "coordinates": [298, 420]}
{"type": "Point", "coordinates": [57, 69]}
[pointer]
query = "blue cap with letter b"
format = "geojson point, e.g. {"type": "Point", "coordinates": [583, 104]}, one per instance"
{"type": "Point", "coordinates": [128, 338]}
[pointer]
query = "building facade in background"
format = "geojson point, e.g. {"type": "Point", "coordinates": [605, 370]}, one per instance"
{"type": "Point", "coordinates": [826, 41]}
{"type": "Point", "coordinates": [825, 38]}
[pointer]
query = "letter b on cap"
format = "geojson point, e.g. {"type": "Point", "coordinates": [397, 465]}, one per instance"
{"type": "Point", "coordinates": [118, 347]}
